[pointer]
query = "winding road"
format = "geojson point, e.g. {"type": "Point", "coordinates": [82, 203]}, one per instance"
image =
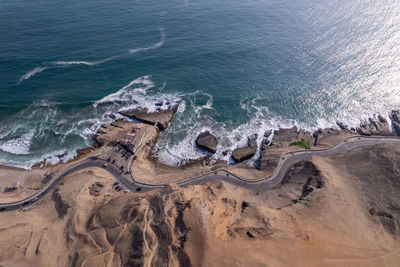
{"type": "Point", "coordinates": [285, 162]}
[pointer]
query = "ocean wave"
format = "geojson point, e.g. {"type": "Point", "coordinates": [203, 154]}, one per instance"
{"type": "Point", "coordinates": [125, 92]}
{"type": "Point", "coordinates": [68, 63]}
{"type": "Point", "coordinates": [64, 133]}
{"type": "Point", "coordinates": [177, 144]}
{"type": "Point", "coordinates": [155, 46]}
{"type": "Point", "coordinates": [171, 151]}
{"type": "Point", "coordinates": [59, 64]}
{"type": "Point", "coordinates": [31, 73]}
{"type": "Point", "coordinates": [18, 146]}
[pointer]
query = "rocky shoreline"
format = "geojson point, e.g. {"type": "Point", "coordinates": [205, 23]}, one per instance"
{"type": "Point", "coordinates": [377, 126]}
{"type": "Point", "coordinates": [270, 148]}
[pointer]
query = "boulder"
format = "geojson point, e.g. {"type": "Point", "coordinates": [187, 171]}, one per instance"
{"type": "Point", "coordinates": [374, 126]}
{"type": "Point", "coordinates": [267, 133]}
{"type": "Point", "coordinates": [244, 153]}
{"type": "Point", "coordinates": [395, 117]}
{"type": "Point", "coordinates": [341, 125]}
{"type": "Point", "coordinates": [160, 118]}
{"type": "Point", "coordinates": [111, 116]}
{"type": "Point", "coordinates": [207, 142]}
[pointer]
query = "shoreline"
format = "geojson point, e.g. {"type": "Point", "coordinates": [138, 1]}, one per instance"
{"type": "Point", "coordinates": [219, 175]}
{"type": "Point", "coordinates": [129, 144]}
{"type": "Point", "coordinates": [387, 128]}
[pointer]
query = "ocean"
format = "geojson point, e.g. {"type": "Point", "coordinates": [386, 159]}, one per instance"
{"type": "Point", "coordinates": [237, 68]}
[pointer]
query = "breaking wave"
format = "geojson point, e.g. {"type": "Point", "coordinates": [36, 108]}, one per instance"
{"type": "Point", "coordinates": [124, 93]}
{"type": "Point", "coordinates": [44, 131]}
{"type": "Point", "coordinates": [19, 145]}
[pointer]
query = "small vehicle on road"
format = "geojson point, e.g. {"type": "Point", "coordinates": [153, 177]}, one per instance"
{"type": "Point", "coordinates": [105, 165]}
{"type": "Point", "coordinates": [34, 200]}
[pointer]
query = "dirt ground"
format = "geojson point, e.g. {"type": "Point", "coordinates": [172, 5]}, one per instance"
{"type": "Point", "coordinates": [335, 211]}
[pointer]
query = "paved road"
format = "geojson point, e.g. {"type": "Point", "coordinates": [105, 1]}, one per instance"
{"type": "Point", "coordinates": [286, 161]}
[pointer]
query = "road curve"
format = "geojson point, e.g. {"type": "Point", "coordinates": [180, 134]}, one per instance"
{"type": "Point", "coordinates": [286, 161]}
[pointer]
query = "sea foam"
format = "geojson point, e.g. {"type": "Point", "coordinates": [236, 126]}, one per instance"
{"type": "Point", "coordinates": [18, 146]}
{"type": "Point", "coordinates": [125, 93]}
{"type": "Point", "coordinates": [155, 46]}
{"type": "Point", "coordinates": [31, 73]}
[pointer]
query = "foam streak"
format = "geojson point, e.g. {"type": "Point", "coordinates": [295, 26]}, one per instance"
{"type": "Point", "coordinates": [155, 46]}
{"type": "Point", "coordinates": [61, 64]}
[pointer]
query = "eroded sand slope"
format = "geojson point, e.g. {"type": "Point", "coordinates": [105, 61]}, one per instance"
{"type": "Point", "coordinates": [336, 211]}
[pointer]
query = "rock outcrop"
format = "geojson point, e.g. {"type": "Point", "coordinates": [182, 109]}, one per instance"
{"type": "Point", "coordinates": [285, 135]}
{"type": "Point", "coordinates": [271, 152]}
{"type": "Point", "coordinates": [244, 153]}
{"type": "Point", "coordinates": [341, 125]}
{"type": "Point", "coordinates": [206, 141]}
{"type": "Point", "coordinates": [375, 126]}
{"type": "Point", "coordinates": [324, 133]}
{"type": "Point", "coordinates": [395, 116]}
{"type": "Point", "coordinates": [160, 118]}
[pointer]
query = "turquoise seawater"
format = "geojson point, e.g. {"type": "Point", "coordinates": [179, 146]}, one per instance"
{"type": "Point", "coordinates": [238, 67]}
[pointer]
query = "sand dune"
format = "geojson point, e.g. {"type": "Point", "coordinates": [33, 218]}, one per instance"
{"type": "Point", "coordinates": [336, 211]}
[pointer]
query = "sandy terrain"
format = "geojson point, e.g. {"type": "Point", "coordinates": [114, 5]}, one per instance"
{"type": "Point", "coordinates": [335, 211]}
{"type": "Point", "coordinates": [19, 183]}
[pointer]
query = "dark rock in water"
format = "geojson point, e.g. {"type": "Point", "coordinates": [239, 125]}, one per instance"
{"type": "Point", "coordinates": [161, 118]}
{"type": "Point", "coordinates": [267, 133]}
{"type": "Point", "coordinates": [158, 104]}
{"type": "Point", "coordinates": [395, 117]}
{"type": "Point", "coordinates": [244, 153]}
{"type": "Point", "coordinates": [341, 125]}
{"type": "Point", "coordinates": [207, 142]}
{"type": "Point", "coordinates": [382, 119]}
{"type": "Point", "coordinates": [111, 116]}
{"type": "Point", "coordinates": [225, 152]}
{"type": "Point", "coordinates": [61, 156]}
{"type": "Point", "coordinates": [174, 106]}
{"type": "Point", "coordinates": [374, 126]}
{"type": "Point", "coordinates": [364, 129]}
{"type": "Point", "coordinates": [252, 140]}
